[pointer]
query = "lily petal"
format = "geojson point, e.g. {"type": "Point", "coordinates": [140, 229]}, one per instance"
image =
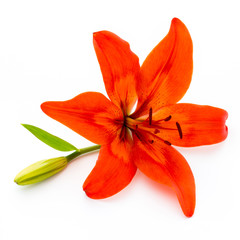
{"type": "Point", "coordinates": [167, 71]}
{"type": "Point", "coordinates": [200, 125]}
{"type": "Point", "coordinates": [113, 171]}
{"type": "Point", "coordinates": [164, 164]}
{"type": "Point", "coordinates": [120, 68]}
{"type": "Point", "coordinates": [90, 114]}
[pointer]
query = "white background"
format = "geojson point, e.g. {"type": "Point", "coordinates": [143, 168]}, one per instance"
{"type": "Point", "coordinates": [46, 53]}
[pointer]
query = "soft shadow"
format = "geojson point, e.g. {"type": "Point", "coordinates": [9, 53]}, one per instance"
{"type": "Point", "coordinates": [207, 149]}
{"type": "Point", "coordinates": [157, 192]}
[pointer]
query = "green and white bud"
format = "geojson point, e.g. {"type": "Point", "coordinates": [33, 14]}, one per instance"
{"type": "Point", "coordinates": [41, 170]}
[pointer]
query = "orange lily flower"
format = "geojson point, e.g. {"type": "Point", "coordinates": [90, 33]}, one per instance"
{"type": "Point", "coordinates": [142, 139]}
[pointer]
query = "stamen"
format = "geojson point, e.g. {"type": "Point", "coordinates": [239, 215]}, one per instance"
{"type": "Point", "coordinates": [179, 130]}
{"type": "Point", "coordinates": [167, 142]}
{"type": "Point", "coordinates": [168, 118]}
{"type": "Point", "coordinates": [156, 131]}
{"type": "Point", "coordinates": [150, 116]}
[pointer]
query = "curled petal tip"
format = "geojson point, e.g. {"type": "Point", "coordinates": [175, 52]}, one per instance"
{"type": "Point", "coordinates": [189, 214]}
{"type": "Point", "coordinates": [95, 34]}
{"type": "Point", "coordinates": [226, 115]}
{"type": "Point", "coordinates": [98, 35]}
{"type": "Point", "coordinates": [44, 106]}
{"type": "Point", "coordinates": [188, 207]}
{"type": "Point", "coordinates": [48, 107]}
{"type": "Point", "coordinates": [89, 191]}
{"type": "Point", "coordinates": [175, 20]}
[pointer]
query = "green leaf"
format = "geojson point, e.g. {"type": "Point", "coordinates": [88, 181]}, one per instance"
{"type": "Point", "coordinates": [49, 139]}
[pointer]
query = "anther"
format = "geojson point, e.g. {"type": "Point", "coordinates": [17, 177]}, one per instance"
{"type": "Point", "coordinates": [167, 142]}
{"type": "Point", "coordinates": [136, 127]}
{"type": "Point", "coordinates": [179, 130]}
{"type": "Point", "coordinates": [150, 116]}
{"type": "Point", "coordinates": [168, 118]}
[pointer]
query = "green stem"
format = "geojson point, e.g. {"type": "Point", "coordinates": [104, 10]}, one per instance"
{"type": "Point", "coordinates": [81, 151]}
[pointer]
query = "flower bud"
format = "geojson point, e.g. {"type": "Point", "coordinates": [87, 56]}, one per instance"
{"type": "Point", "coordinates": [40, 171]}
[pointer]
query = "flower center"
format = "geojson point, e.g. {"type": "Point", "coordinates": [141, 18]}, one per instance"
{"type": "Point", "coordinates": [152, 127]}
